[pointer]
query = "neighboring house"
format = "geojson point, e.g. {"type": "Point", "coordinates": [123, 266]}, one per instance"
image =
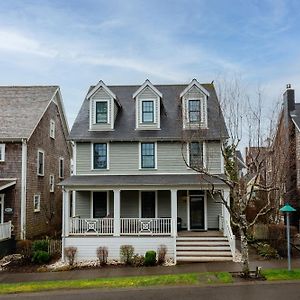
{"type": "Point", "coordinates": [131, 184]}
{"type": "Point", "coordinates": [34, 158]}
{"type": "Point", "coordinates": [241, 166]}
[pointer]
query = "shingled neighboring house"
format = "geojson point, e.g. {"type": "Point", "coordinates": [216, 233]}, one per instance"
{"type": "Point", "coordinates": [131, 184]}
{"type": "Point", "coordinates": [34, 158]}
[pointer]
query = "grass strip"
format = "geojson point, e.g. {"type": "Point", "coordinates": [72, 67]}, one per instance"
{"type": "Point", "coordinates": [121, 282]}
{"type": "Point", "coordinates": [281, 274]}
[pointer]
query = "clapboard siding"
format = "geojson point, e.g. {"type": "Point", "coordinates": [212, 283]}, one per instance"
{"type": "Point", "coordinates": [83, 204]}
{"type": "Point", "coordinates": [214, 209]}
{"type": "Point", "coordinates": [87, 246]}
{"type": "Point", "coordinates": [213, 154]}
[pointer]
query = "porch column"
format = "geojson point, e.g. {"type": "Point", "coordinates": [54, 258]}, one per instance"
{"type": "Point", "coordinates": [173, 213]}
{"type": "Point", "coordinates": [117, 212]}
{"type": "Point", "coordinates": [226, 214]}
{"type": "Point", "coordinates": [65, 219]}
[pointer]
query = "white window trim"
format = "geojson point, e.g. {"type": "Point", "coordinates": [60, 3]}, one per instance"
{"type": "Point", "coordinates": [188, 154]}
{"type": "Point", "coordinates": [154, 101]}
{"type": "Point", "coordinates": [39, 203]}
{"type": "Point", "coordinates": [63, 168]}
{"type": "Point", "coordinates": [52, 129]}
{"type": "Point", "coordinates": [108, 119]}
{"type": "Point", "coordinates": [140, 203]}
{"type": "Point", "coordinates": [2, 208]}
{"type": "Point", "coordinates": [140, 156]}
{"type": "Point", "coordinates": [2, 158]}
{"type": "Point", "coordinates": [52, 183]}
{"type": "Point", "coordinates": [38, 162]}
{"type": "Point", "coordinates": [107, 157]}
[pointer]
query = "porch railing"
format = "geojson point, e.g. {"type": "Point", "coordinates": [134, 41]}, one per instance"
{"type": "Point", "coordinates": [231, 237]}
{"type": "Point", "coordinates": [221, 223]}
{"type": "Point", "coordinates": [146, 226]}
{"type": "Point", "coordinates": [103, 226]}
{"type": "Point", "coordinates": [5, 230]}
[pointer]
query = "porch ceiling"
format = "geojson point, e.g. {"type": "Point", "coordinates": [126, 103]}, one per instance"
{"type": "Point", "coordinates": [5, 183]}
{"type": "Point", "coordinates": [136, 180]}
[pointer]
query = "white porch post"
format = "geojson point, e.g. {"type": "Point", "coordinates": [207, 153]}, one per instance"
{"type": "Point", "coordinates": [226, 215]}
{"type": "Point", "coordinates": [117, 212]}
{"type": "Point", "coordinates": [174, 212]}
{"type": "Point", "coordinates": [65, 220]}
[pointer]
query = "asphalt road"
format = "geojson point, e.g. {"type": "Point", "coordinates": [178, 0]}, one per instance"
{"type": "Point", "coordinates": [252, 291]}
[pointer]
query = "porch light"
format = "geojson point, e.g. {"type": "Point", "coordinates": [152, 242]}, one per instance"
{"type": "Point", "coordinates": [288, 209]}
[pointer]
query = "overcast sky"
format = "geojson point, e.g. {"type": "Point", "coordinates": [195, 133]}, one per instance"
{"type": "Point", "coordinates": [76, 43]}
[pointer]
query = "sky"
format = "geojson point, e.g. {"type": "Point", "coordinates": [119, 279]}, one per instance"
{"type": "Point", "coordinates": [76, 43]}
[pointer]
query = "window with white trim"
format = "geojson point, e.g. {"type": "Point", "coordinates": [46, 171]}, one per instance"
{"type": "Point", "coordinates": [100, 156]}
{"type": "Point", "coordinates": [194, 111]}
{"type": "Point", "coordinates": [2, 152]}
{"type": "Point", "coordinates": [147, 155]}
{"type": "Point", "coordinates": [52, 129]}
{"type": "Point", "coordinates": [148, 111]}
{"type": "Point", "coordinates": [36, 203]}
{"type": "Point", "coordinates": [101, 112]}
{"type": "Point", "coordinates": [51, 182]}
{"type": "Point", "coordinates": [40, 163]}
{"type": "Point", "coordinates": [196, 155]}
{"type": "Point", "coordinates": [61, 170]}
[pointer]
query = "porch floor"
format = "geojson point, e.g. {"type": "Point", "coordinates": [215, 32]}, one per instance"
{"type": "Point", "coordinates": [209, 233]}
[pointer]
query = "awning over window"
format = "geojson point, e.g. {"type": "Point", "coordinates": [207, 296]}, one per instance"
{"type": "Point", "coordinates": [5, 183]}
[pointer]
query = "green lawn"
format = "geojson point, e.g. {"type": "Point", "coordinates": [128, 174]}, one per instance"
{"type": "Point", "coordinates": [281, 274]}
{"type": "Point", "coordinates": [138, 281]}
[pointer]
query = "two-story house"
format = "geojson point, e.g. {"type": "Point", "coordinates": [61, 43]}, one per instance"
{"type": "Point", "coordinates": [131, 184]}
{"type": "Point", "coordinates": [34, 158]}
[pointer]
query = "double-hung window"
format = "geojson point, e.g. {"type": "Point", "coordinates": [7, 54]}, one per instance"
{"type": "Point", "coordinates": [100, 156]}
{"type": "Point", "coordinates": [194, 111]}
{"type": "Point", "coordinates": [147, 111]}
{"type": "Point", "coordinates": [36, 203]}
{"type": "Point", "coordinates": [52, 129]}
{"type": "Point", "coordinates": [61, 169]}
{"type": "Point", "coordinates": [51, 182]}
{"type": "Point", "coordinates": [147, 155]}
{"type": "Point", "coordinates": [40, 163]}
{"type": "Point", "coordinates": [2, 152]}
{"type": "Point", "coordinates": [196, 154]}
{"type": "Point", "coordinates": [101, 112]}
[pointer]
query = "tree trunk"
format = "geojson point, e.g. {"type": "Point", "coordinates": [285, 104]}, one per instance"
{"type": "Point", "coordinates": [244, 252]}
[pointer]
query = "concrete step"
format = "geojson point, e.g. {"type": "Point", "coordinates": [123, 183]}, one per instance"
{"type": "Point", "coordinates": [202, 248]}
{"type": "Point", "coordinates": [203, 258]}
{"type": "Point", "coordinates": [202, 238]}
{"type": "Point", "coordinates": [202, 243]}
{"type": "Point", "coordinates": [203, 253]}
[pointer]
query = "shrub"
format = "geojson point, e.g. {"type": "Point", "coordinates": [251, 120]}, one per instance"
{"type": "Point", "coordinates": [40, 257]}
{"type": "Point", "coordinates": [138, 260]}
{"type": "Point", "coordinates": [40, 245]}
{"type": "Point", "coordinates": [266, 250]}
{"type": "Point", "coordinates": [150, 258]}
{"type": "Point", "coordinates": [102, 254]}
{"type": "Point", "coordinates": [70, 253]}
{"type": "Point", "coordinates": [126, 253]}
{"type": "Point", "coordinates": [161, 254]}
{"type": "Point", "coordinates": [24, 247]}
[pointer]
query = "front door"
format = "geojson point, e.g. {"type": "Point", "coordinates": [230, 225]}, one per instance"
{"type": "Point", "coordinates": [148, 204]}
{"type": "Point", "coordinates": [197, 212]}
{"type": "Point", "coordinates": [99, 204]}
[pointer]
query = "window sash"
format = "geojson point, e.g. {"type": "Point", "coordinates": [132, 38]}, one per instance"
{"type": "Point", "coordinates": [37, 203]}
{"type": "Point", "coordinates": [61, 168]}
{"type": "Point", "coordinates": [2, 152]}
{"type": "Point", "coordinates": [101, 112]}
{"type": "Point", "coordinates": [196, 154]}
{"type": "Point", "coordinates": [51, 183]}
{"type": "Point", "coordinates": [100, 156]}
{"type": "Point", "coordinates": [147, 111]}
{"type": "Point", "coordinates": [194, 110]}
{"type": "Point", "coordinates": [40, 163]}
{"type": "Point", "coordinates": [148, 155]}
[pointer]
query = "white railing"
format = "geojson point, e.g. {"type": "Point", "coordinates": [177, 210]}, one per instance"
{"type": "Point", "coordinates": [103, 226]}
{"type": "Point", "coordinates": [231, 237]}
{"type": "Point", "coordinates": [146, 226]}
{"type": "Point", "coordinates": [5, 231]}
{"type": "Point", "coordinates": [221, 223]}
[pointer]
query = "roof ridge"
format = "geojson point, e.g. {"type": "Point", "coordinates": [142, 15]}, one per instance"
{"type": "Point", "coordinates": [27, 86]}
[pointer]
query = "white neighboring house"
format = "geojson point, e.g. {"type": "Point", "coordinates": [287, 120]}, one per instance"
{"type": "Point", "coordinates": [131, 184]}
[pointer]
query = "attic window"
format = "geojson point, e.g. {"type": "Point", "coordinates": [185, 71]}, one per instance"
{"type": "Point", "coordinates": [101, 111]}
{"type": "Point", "coordinates": [194, 111]}
{"type": "Point", "coordinates": [147, 111]}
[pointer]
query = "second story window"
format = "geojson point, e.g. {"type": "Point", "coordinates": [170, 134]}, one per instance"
{"type": "Point", "coordinates": [196, 155]}
{"type": "Point", "coordinates": [101, 112]}
{"type": "Point", "coordinates": [52, 129]}
{"type": "Point", "coordinates": [61, 169]}
{"type": "Point", "coordinates": [147, 155]}
{"type": "Point", "coordinates": [147, 111]}
{"type": "Point", "coordinates": [51, 179]}
{"type": "Point", "coordinates": [194, 111]}
{"type": "Point", "coordinates": [100, 156]}
{"type": "Point", "coordinates": [40, 163]}
{"type": "Point", "coordinates": [2, 152]}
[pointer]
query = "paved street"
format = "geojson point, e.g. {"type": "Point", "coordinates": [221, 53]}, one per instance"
{"type": "Point", "coordinates": [252, 291]}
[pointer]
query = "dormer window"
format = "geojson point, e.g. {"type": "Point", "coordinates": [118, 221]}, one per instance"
{"type": "Point", "coordinates": [194, 111]}
{"type": "Point", "coordinates": [147, 111]}
{"type": "Point", "coordinates": [101, 112]}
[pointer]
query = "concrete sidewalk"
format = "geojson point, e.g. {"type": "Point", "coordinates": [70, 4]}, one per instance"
{"type": "Point", "coordinates": [121, 271]}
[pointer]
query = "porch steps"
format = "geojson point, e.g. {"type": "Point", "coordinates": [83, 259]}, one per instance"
{"type": "Point", "coordinates": [202, 249]}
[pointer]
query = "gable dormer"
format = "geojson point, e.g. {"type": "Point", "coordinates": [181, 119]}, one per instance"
{"type": "Point", "coordinates": [103, 107]}
{"type": "Point", "coordinates": [147, 107]}
{"type": "Point", "coordinates": [194, 106]}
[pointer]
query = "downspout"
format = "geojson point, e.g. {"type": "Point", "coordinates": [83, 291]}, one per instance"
{"type": "Point", "coordinates": [23, 190]}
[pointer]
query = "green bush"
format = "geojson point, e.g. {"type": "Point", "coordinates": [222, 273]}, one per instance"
{"type": "Point", "coordinates": [126, 253]}
{"type": "Point", "coordinates": [150, 258]}
{"type": "Point", "coordinates": [138, 260]}
{"type": "Point", "coordinates": [40, 245]}
{"type": "Point", "coordinates": [266, 250]}
{"type": "Point", "coordinates": [40, 257]}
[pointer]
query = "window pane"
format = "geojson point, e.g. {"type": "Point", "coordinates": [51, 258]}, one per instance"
{"type": "Point", "coordinates": [196, 155]}
{"type": "Point", "coordinates": [148, 155]}
{"type": "Point", "coordinates": [101, 112]}
{"type": "Point", "coordinates": [100, 156]}
{"type": "Point", "coordinates": [147, 111]}
{"type": "Point", "coordinates": [194, 111]}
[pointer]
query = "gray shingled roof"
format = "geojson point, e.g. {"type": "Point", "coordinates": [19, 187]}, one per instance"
{"type": "Point", "coordinates": [296, 115]}
{"type": "Point", "coordinates": [21, 109]}
{"type": "Point", "coordinates": [139, 180]}
{"type": "Point", "coordinates": [171, 119]}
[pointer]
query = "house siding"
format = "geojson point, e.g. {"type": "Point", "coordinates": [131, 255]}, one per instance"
{"type": "Point", "coordinates": [83, 204]}
{"type": "Point", "coordinates": [214, 209]}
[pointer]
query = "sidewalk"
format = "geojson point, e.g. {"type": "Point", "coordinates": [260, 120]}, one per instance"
{"type": "Point", "coordinates": [106, 272]}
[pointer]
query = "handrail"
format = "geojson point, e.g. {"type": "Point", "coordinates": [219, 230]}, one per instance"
{"type": "Point", "coordinates": [231, 237]}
